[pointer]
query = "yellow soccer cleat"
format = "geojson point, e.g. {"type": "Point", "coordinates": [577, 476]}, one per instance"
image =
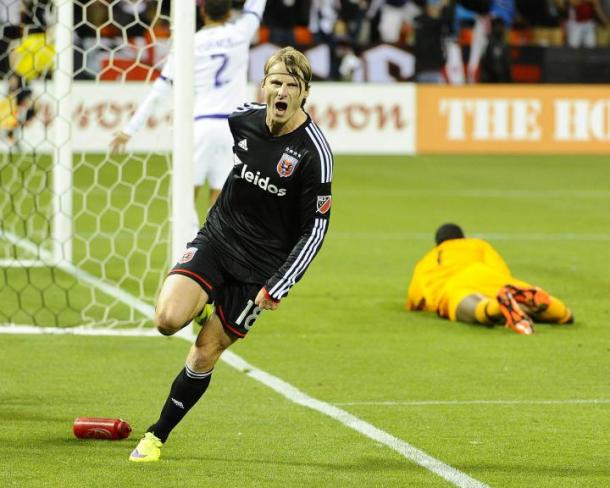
{"type": "Point", "coordinates": [148, 449]}
{"type": "Point", "coordinates": [205, 314]}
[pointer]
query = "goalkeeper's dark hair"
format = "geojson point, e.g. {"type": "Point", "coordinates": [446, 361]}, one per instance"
{"type": "Point", "coordinates": [217, 10]}
{"type": "Point", "coordinates": [448, 231]}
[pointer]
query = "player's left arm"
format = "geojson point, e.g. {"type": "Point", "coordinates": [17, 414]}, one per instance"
{"type": "Point", "coordinates": [161, 90]}
{"type": "Point", "coordinates": [315, 206]}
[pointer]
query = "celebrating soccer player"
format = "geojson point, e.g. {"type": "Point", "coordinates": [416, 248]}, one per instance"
{"type": "Point", "coordinates": [259, 238]}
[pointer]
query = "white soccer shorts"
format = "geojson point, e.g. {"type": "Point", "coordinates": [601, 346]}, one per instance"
{"type": "Point", "coordinates": [213, 153]}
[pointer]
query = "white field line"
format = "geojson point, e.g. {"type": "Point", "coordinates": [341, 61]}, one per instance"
{"type": "Point", "coordinates": [477, 193]}
{"type": "Point", "coordinates": [427, 236]}
{"type": "Point", "coordinates": [293, 394]}
{"type": "Point", "coordinates": [82, 330]}
{"type": "Point", "coordinates": [408, 451]}
{"type": "Point", "coordinates": [46, 257]}
{"type": "Point", "coordinates": [22, 263]}
{"type": "Point", "coordinates": [407, 403]}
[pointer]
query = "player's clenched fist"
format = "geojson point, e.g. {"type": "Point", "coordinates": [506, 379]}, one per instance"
{"type": "Point", "coordinates": [265, 302]}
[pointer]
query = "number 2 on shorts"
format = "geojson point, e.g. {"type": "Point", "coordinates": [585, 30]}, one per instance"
{"type": "Point", "coordinates": [249, 319]}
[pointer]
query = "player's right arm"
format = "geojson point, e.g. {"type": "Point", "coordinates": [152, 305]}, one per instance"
{"type": "Point", "coordinates": [160, 90]}
{"type": "Point", "coordinates": [251, 17]}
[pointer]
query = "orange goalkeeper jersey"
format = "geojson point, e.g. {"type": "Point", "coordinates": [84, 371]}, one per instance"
{"type": "Point", "coordinates": [428, 290]}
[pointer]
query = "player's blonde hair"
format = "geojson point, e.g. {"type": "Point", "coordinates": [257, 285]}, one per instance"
{"type": "Point", "coordinates": [296, 64]}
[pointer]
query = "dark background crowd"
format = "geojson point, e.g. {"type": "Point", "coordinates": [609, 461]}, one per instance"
{"type": "Point", "coordinates": [110, 32]}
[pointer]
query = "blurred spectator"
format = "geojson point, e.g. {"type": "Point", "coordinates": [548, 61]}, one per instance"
{"type": "Point", "coordinates": [496, 62]}
{"type": "Point", "coordinates": [36, 15]}
{"type": "Point", "coordinates": [580, 26]}
{"type": "Point", "coordinates": [119, 39]}
{"type": "Point", "coordinates": [322, 23]}
{"type": "Point", "coordinates": [544, 18]}
{"type": "Point", "coordinates": [34, 56]}
{"type": "Point", "coordinates": [93, 33]}
{"type": "Point", "coordinates": [130, 16]}
{"type": "Point", "coordinates": [603, 31]}
{"type": "Point", "coordinates": [10, 18]}
{"type": "Point", "coordinates": [431, 28]}
{"type": "Point", "coordinates": [395, 14]}
{"type": "Point", "coordinates": [350, 65]}
{"type": "Point", "coordinates": [16, 110]}
{"type": "Point", "coordinates": [351, 14]}
{"type": "Point", "coordinates": [282, 16]}
{"type": "Point", "coordinates": [505, 10]}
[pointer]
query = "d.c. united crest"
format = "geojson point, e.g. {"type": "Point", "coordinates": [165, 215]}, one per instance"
{"type": "Point", "coordinates": [188, 255]}
{"type": "Point", "coordinates": [286, 165]}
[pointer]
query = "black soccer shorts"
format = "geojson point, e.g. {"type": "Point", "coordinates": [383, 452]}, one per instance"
{"type": "Point", "coordinates": [233, 299]}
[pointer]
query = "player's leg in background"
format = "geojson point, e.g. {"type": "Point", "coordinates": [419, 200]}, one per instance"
{"type": "Point", "coordinates": [180, 300]}
{"type": "Point", "coordinates": [200, 169]}
{"type": "Point", "coordinates": [219, 153]}
{"type": "Point", "coordinates": [556, 313]}
{"type": "Point", "coordinates": [539, 304]}
{"type": "Point", "coordinates": [478, 309]}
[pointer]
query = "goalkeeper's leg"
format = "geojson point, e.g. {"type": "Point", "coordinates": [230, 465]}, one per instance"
{"type": "Point", "coordinates": [556, 313]}
{"type": "Point", "coordinates": [478, 309]}
{"type": "Point", "coordinates": [540, 305]}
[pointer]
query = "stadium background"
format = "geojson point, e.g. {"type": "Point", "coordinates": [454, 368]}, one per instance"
{"type": "Point", "coordinates": [508, 162]}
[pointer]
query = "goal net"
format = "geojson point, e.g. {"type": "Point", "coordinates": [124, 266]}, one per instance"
{"type": "Point", "coordinates": [86, 236]}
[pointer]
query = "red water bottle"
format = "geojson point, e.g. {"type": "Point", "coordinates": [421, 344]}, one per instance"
{"type": "Point", "coordinates": [100, 428]}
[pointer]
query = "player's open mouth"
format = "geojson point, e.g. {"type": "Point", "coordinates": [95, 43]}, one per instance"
{"type": "Point", "coordinates": [280, 107]}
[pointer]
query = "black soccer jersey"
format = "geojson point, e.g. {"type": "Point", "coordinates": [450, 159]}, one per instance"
{"type": "Point", "coordinates": [273, 211]}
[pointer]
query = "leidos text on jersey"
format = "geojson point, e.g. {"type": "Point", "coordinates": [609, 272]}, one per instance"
{"type": "Point", "coordinates": [262, 183]}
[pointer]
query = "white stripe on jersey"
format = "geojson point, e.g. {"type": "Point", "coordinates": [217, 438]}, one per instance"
{"type": "Point", "coordinates": [250, 106]}
{"type": "Point", "coordinates": [327, 150]}
{"type": "Point", "coordinates": [308, 257]}
{"type": "Point", "coordinates": [323, 152]}
{"type": "Point", "coordinates": [303, 259]}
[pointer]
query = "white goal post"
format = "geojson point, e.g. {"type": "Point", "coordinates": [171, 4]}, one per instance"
{"type": "Point", "coordinates": [182, 147]}
{"type": "Point", "coordinates": [62, 158]}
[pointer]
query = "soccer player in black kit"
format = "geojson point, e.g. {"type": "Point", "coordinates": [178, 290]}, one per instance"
{"type": "Point", "coordinates": [259, 238]}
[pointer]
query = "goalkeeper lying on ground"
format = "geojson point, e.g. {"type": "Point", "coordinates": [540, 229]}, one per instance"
{"type": "Point", "coordinates": [466, 279]}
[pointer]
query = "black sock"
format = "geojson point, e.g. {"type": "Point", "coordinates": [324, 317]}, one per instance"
{"type": "Point", "coordinates": [187, 389]}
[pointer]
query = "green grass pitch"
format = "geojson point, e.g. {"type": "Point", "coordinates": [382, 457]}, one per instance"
{"type": "Point", "coordinates": [342, 337]}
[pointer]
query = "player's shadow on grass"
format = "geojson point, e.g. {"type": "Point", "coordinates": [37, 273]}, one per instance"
{"type": "Point", "coordinates": [24, 416]}
{"type": "Point", "coordinates": [367, 463]}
